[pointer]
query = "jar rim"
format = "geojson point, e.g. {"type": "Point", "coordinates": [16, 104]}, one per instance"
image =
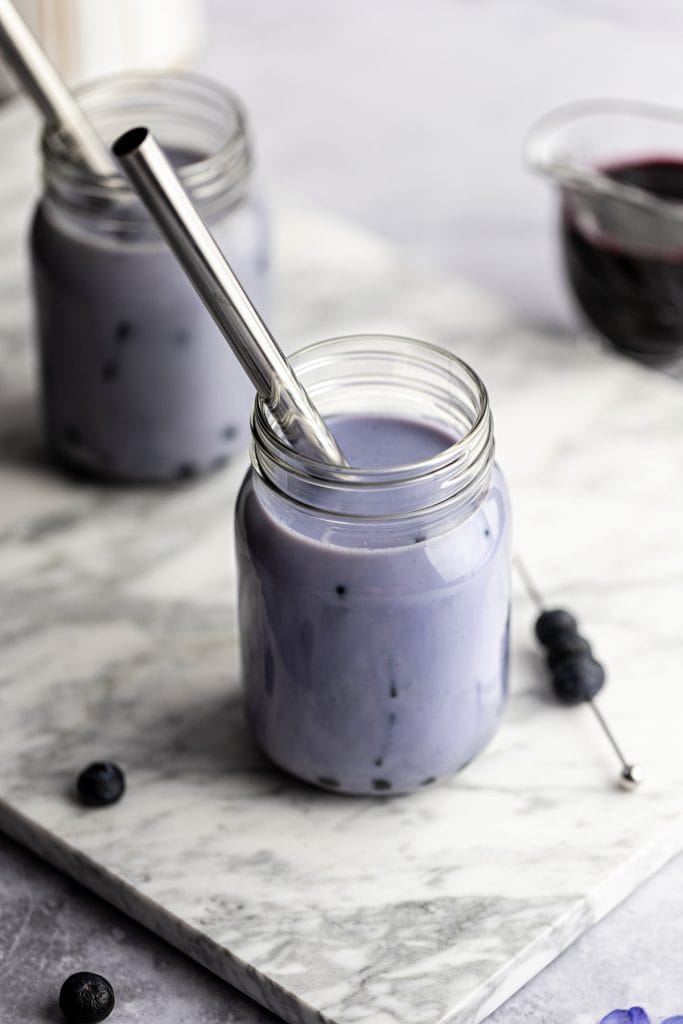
{"type": "Point", "coordinates": [265, 431]}
{"type": "Point", "coordinates": [446, 392]}
{"type": "Point", "coordinates": [232, 157]}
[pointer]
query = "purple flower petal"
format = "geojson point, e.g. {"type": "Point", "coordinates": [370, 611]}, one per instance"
{"type": "Point", "coordinates": [636, 1015]}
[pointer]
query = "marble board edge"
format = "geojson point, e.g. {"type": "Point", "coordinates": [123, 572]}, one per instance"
{"type": "Point", "coordinates": [129, 900]}
{"type": "Point", "coordinates": [590, 909]}
{"type": "Point", "coordinates": [587, 911]}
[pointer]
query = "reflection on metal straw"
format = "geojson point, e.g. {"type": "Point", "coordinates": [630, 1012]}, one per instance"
{"type": "Point", "coordinates": [42, 82]}
{"type": "Point", "coordinates": [157, 184]}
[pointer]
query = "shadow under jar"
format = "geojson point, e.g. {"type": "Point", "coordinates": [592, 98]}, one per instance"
{"type": "Point", "coordinates": [137, 384]}
{"type": "Point", "coordinates": [374, 600]}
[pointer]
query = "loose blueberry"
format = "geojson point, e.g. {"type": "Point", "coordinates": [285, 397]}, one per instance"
{"type": "Point", "coordinates": [86, 998]}
{"type": "Point", "coordinates": [578, 678]}
{"type": "Point", "coordinates": [564, 645]}
{"type": "Point", "coordinates": [101, 783]}
{"type": "Point", "coordinates": [549, 623]}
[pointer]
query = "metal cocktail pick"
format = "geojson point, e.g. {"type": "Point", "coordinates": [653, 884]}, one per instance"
{"type": "Point", "coordinates": [42, 82]}
{"type": "Point", "coordinates": [577, 676]}
{"type": "Point", "coordinates": [169, 205]}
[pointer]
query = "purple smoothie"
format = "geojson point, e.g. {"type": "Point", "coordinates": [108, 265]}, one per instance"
{"type": "Point", "coordinates": [137, 383]}
{"type": "Point", "coordinates": [374, 660]}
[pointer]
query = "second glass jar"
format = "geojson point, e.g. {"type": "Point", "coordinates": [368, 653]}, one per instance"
{"type": "Point", "coordinates": [137, 383]}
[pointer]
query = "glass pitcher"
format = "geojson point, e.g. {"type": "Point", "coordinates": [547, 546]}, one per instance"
{"type": "Point", "coordinates": [619, 167]}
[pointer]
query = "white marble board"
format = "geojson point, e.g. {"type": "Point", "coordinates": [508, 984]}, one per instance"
{"type": "Point", "coordinates": [118, 640]}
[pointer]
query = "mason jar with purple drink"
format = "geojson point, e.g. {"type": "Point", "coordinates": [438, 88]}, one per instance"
{"type": "Point", "coordinates": [374, 599]}
{"type": "Point", "coordinates": [137, 384]}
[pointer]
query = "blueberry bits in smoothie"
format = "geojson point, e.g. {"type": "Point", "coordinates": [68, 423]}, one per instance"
{"type": "Point", "coordinates": [182, 338]}
{"type": "Point", "coordinates": [269, 673]}
{"type": "Point", "coordinates": [110, 370]}
{"type": "Point", "coordinates": [229, 433]}
{"type": "Point", "coordinates": [123, 332]}
{"type": "Point", "coordinates": [393, 691]}
{"type": "Point", "coordinates": [328, 782]}
{"type": "Point", "coordinates": [73, 437]}
{"type": "Point", "coordinates": [340, 590]}
{"type": "Point", "coordinates": [186, 470]}
{"type": "Point", "coordinates": [381, 785]}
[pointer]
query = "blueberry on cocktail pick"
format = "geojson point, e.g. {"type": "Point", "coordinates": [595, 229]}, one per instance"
{"type": "Point", "coordinates": [101, 783]}
{"type": "Point", "coordinates": [86, 998]}
{"type": "Point", "coordinates": [576, 676]}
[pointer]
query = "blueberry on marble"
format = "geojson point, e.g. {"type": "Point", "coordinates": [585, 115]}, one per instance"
{"type": "Point", "coordinates": [100, 784]}
{"type": "Point", "coordinates": [578, 678]}
{"type": "Point", "coordinates": [85, 998]}
{"type": "Point", "coordinates": [553, 621]}
{"type": "Point", "coordinates": [564, 645]}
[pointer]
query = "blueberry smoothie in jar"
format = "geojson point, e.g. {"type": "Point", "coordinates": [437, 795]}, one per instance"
{"type": "Point", "coordinates": [374, 599]}
{"type": "Point", "coordinates": [137, 384]}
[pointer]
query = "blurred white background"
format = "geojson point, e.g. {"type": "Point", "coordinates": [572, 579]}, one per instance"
{"type": "Point", "coordinates": [409, 116]}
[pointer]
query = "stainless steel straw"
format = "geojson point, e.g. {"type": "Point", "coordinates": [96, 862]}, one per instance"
{"type": "Point", "coordinates": [42, 82]}
{"type": "Point", "coordinates": [169, 205]}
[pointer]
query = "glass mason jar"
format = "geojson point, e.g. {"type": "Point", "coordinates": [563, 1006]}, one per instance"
{"type": "Point", "coordinates": [374, 600]}
{"type": "Point", "coordinates": [137, 383]}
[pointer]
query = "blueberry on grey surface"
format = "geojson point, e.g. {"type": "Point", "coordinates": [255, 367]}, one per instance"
{"type": "Point", "coordinates": [101, 783]}
{"type": "Point", "coordinates": [578, 678]}
{"type": "Point", "coordinates": [86, 998]}
{"type": "Point", "coordinates": [564, 645]}
{"type": "Point", "coordinates": [550, 623]}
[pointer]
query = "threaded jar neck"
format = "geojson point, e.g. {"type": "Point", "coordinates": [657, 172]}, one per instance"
{"type": "Point", "coordinates": [380, 375]}
{"type": "Point", "coordinates": [202, 125]}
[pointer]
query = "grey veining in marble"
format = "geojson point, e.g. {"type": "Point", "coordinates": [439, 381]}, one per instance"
{"type": "Point", "coordinates": [118, 641]}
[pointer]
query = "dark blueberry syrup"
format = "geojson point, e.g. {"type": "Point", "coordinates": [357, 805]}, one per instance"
{"type": "Point", "coordinates": [634, 299]}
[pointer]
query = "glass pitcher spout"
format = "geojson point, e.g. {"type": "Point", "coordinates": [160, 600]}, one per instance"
{"type": "Point", "coordinates": [619, 164]}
